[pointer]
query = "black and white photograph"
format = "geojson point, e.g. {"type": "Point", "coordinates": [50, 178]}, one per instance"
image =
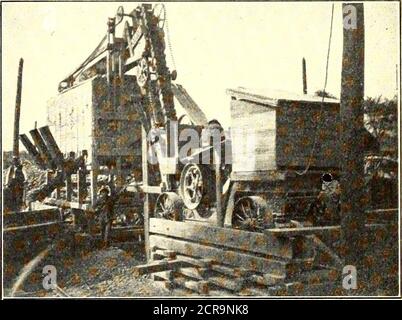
{"type": "Point", "coordinates": [200, 150]}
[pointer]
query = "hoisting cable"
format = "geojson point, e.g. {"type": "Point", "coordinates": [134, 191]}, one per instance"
{"type": "Point", "coordinates": [322, 101]}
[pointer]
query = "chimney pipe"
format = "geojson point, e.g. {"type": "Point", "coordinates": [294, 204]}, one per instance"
{"type": "Point", "coordinates": [304, 77]}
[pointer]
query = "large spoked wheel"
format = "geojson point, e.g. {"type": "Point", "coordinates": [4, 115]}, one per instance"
{"type": "Point", "coordinates": [192, 185]}
{"type": "Point", "coordinates": [169, 206]}
{"type": "Point", "coordinates": [142, 72]}
{"type": "Point", "coordinates": [252, 214]}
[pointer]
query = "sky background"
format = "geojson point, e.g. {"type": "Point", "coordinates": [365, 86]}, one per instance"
{"type": "Point", "coordinates": [216, 46]}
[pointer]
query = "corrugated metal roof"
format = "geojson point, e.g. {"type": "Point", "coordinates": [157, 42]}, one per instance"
{"type": "Point", "coordinates": [273, 97]}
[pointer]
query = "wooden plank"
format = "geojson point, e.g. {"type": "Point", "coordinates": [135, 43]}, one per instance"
{"type": "Point", "coordinates": [163, 254]}
{"type": "Point", "coordinates": [14, 219]}
{"type": "Point", "coordinates": [323, 230]}
{"type": "Point", "coordinates": [67, 204]}
{"type": "Point", "coordinates": [234, 284]}
{"type": "Point", "coordinates": [267, 279]}
{"type": "Point", "coordinates": [267, 175]}
{"type": "Point", "coordinates": [224, 256]}
{"type": "Point", "coordinates": [301, 231]}
{"type": "Point", "coordinates": [203, 263]}
{"type": "Point", "coordinates": [195, 113]}
{"type": "Point", "coordinates": [151, 189]}
{"type": "Point", "coordinates": [47, 226]}
{"type": "Point", "coordinates": [253, 292]}
{"type": "Point", "coordinates": [193, 272]}
{"type": "Point", "coordinates": [201, 287]}
{"type": "Point", "coordinates": [157, 266]}
{"type": "Point", "coordinates": [163, 275]}
{"type": "Point", "coordinates": [379, 215]}
{"type": "Point", "coordinates": [224, 237]}
{"type": "Point", "coordinates": [233, 272]}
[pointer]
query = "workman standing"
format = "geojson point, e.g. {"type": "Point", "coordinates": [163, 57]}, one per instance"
{"type": "Point", "coordinates": [104, 213]}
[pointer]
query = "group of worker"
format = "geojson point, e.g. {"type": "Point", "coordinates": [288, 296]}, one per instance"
{"type": "Point", "coordinates": [14, 192]}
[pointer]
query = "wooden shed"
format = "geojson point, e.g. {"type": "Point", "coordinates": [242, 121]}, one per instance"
{"type": "Point", "coordinates": [275, 130]}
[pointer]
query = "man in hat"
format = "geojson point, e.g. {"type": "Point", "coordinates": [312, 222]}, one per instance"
{"type": "Point", "coordinates": [326, 209]}
{"type": "Point", "coordinates": [104, 212]}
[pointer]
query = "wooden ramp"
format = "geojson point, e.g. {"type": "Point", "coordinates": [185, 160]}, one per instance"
{"type": "Point", "coordinates": [209, 260]}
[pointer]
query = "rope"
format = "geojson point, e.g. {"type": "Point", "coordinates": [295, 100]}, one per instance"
{"type": "Point", "coordinates": [322, 101]}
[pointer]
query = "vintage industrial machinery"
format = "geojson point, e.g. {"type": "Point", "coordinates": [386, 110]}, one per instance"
{"type": "Point", "coordinates": [125, 86]}
{"type": "Point", "coordinates": [278, 162]}
{"type": "Point", "coordinates": [229, 203]}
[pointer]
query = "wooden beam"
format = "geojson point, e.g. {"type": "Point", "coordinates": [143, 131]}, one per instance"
{"type": "Point", "coordinates": [69, 188]}
{"type": "Point", "coordinates": [17, 110]}
{"type": "Point", "coordinates": [145, 181]}
{"type": "Point", "coordinates": [218, 188]}
{"type": "Point", "coordinates": [158, 266]}
{"type": "Point", "coordinates": [325, 230]}
{"type": "Point", "coordinates": [30, 217]}
{"type": "Point", "coordinates": [351, 113]}
{"type": "Point", "coordinates": [46, 226]}
{"type": "Point", "coordinates": [227, 283]}
{"type": "Point", "coordinates": [226, 256]}
{"type": "Point", "coordinates": [81, 185]}
{"type": "Point", "coordinates": [266, 244]}
{"type": "Point", "coordinates": [67, 204]}
{"type": "Point", "coordinates": [94, 181]}
{"type": "Point", "coordinates": [33, 152]}
{"type": "Point", "coordinates": [52, 146]}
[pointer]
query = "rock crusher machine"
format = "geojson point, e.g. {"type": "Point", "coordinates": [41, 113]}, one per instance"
{"type": "Point", "coordinates": [228, 213]}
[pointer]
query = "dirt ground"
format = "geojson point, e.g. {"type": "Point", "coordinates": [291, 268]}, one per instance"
{"type": "Point", "coordinates": [100, 273]}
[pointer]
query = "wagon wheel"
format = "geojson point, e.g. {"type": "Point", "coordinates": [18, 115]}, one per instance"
{"type": "Point", "coordinates": [169, 206]}
{"type": "Point", "coordinates": [192, 187]}
{"type": "Point", "coordinates": [251, 214]}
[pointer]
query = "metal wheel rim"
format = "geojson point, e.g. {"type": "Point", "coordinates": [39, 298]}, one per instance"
{"type": "Point", "coordinates": [166, 207]}
{"type": "Point", "coordinates": [249, 215]}
{"type": "Point", "coordinates": [142, 72]}
{"type": "Point", "coordinates": [192, 186]}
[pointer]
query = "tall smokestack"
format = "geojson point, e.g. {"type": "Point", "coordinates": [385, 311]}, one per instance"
{"type": "Point", "coordinates": [304, 77]}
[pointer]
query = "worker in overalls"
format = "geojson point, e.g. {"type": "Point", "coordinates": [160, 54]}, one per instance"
{"type": "Point", "coordinates": [326, 209]}
{"type": "Point", "coordinates": [104, 213]}
{"type": "Point", "coordinates": [15, 182]}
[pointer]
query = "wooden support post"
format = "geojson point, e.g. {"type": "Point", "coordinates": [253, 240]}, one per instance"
{"type": "Point", "coordinates": [145, 182]}
{"type": "Point", "coordinates": [94, 181]}
{"type": "Point", "coordinates": [218, 188]}
{"type": "Point", "coordinates": [69, 188]}
{"type": "Point", "coordinates": [17, 110]}
{"type": "Point", "coordinates": [119, 174]}
{"type": "Point", "coordinates": [351, 112]}
{"type": "Point", "coordinates": [81, 186]}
